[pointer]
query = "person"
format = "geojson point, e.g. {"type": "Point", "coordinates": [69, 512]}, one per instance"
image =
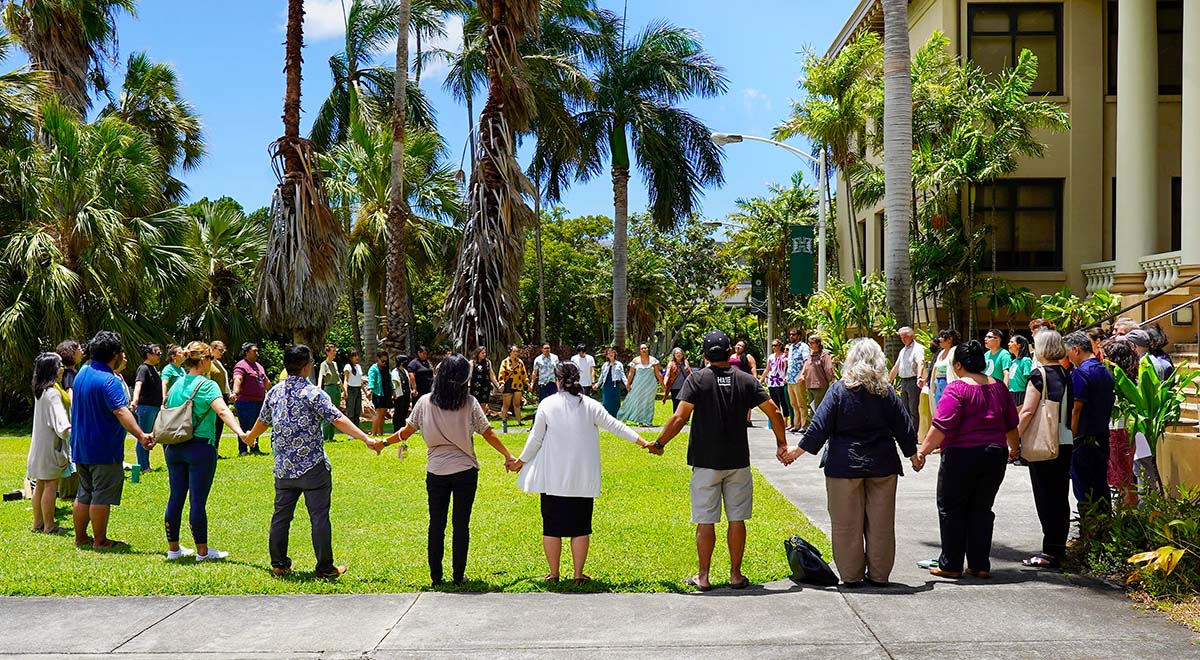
{"type": "Point", "coordinates": [71, 354]}
{"type": "Point", "coordinates": [817, 373]}
{"type": "Point", "coordinates": [543, 370]}
{"type": "Point", "coordinates": [719, 453]}
{"type": "Point", "coordinates": [797, 352]}
{"type": "Point", "coordinates": [1120, 450]}
{"type": "Point", "coordinates": [420, 374]}
{"type": "Point", "coordinates": [447, 418]}
{"type": "Point", "coordinates": [330, 382]}
{"type": "Point", "coordinates": [174, 369]}
{"type": "Point", "coordinates": [943, 364]}
{"type": "Point", "coordinates": [997, 357]}
{"type": "Point", "coordinates": [515, 379]}
{"type": "Point", "coordinates": [1093, 396]}
{"type": "Point", "coordinates": [147, 398]}
{"type": "Point", "coordinates": [612, 382]}
{"type": "Point", "coordinates": [675, 375]}
{"type": "Point", "coordinates": [909, 366]}
{"type": "Point", "coordinates": [586, 365]}
{"type": "Point", "coordinates": [1098, 336]}
{"type": "Point", "coordinates": [975, 419]}
{"type": "Point", "coordinates": [862, 421]}
{"type": "Point", "coordinates": [352, 383]}
{"type": "Point", "coordinates": [1123, 326]}
{"type": "Point", "coordinates": [192, 464]}
{"type": "Point", "coordinates": [218, 374]}
{"type": "Point", "coordinates": [740, 359]}
{"type": "Point", "coordinates": [561, 461]}
{"type": "Point", "coordinates": [639, 405]}
{"type": "Point", "coordinates": [250, 385]}
{"type": "Point", "coordinates": [1017, 375]}
{"type": "Point", "coordinates": [48, 459]}
{"type": "Point", "coordinates": [1050, 480]}
{"type": "Point", "coordinates": [379, 385]}
{"type": "Point", "coordinates": [1163, 364]}
{"type": "Point", "coordinates": [402, 393]}
{"type": "Point", "coordinates": [483, 378]}
{"type": "Point", "coordinates": [100, 418]}
{"type": "Point", "coordinates": [773, 376]}
{"type": "Point", "coordinates": [294, 411]}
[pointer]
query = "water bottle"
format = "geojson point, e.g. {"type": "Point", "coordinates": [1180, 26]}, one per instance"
{"type": "Point", "coordinates": [135, 474]}
{"type": "Point", "coordinates": [403, 453]}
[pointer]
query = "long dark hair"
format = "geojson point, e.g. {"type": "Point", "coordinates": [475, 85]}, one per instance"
{"type": "Point", "coordinates": [1022, 346]}
{"type": "Point", "coordinates": [45, 372]}
{"type": "Point", "coordinates": [450, 385]}
{"type": "Point", "coordinates": [568, 375]}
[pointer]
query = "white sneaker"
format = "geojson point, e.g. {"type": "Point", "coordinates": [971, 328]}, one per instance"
{"type": "Point", "coordinates": [182, 552]}
{"type": "Point", "coordinates": [213, 554]}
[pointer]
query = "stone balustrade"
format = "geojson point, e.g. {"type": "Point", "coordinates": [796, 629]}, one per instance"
{"type": "Point", "coordinates": [1099, 275]}
{"type": "Point", "coordinates": [1162, 270]}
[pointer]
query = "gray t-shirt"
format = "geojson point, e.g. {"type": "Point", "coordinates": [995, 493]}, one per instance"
{"type": "Point", "coordinates": [449, 434]}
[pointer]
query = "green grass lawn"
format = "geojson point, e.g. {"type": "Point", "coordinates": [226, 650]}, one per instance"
{"type": "Point", "coordinates": [643, 540]}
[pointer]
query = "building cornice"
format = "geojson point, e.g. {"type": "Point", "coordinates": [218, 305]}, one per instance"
{"type": "Point", "coordinates": [868, 15]}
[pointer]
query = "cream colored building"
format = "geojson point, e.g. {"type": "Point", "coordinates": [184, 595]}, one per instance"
{"type": "Point", "coordinates": [1116, 201]}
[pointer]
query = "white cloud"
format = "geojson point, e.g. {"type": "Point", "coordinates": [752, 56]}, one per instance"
{"type": "Point", "coordinates": [323, 19]}
{"type": "Point", "coordinates": [754, 99]}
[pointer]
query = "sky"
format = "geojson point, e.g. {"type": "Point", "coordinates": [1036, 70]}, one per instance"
{"type": "Point", "coordinates": [229, 57]}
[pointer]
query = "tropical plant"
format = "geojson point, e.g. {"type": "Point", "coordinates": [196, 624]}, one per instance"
{"type": "Point", "coordinates": [1014, 301]}
{"type": "Point", "coordinates": [1152, 405]}
{"type": "Point", "coordinates": [73, 39]}
{"type": "Point", "coordinates": [1068, 312]}
{"type": "Point", "coordinates": [22, 92]}
{"type": "Point", "coordinates": [151, 101]}
{"type": "Point", "coordinates": [860, 306]}
{"type": "Point", "coordinates": [897, 161]}
{"type": "Point", "coordinates": [304, 263]}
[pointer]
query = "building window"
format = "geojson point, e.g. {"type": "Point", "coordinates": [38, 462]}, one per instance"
{"type": "Point", "coordinates": [1025, 221]}
{"type": "Point", "coordinates": [860, 230]}
{"type": "Point", "coordinates": [1176, 213]}
{"type": "Point", "coordinates": [881, 223]}
{"type": "Point", "coordinates": [997, 33]}
{"type": "Point", "coordinates": [1170, 47]}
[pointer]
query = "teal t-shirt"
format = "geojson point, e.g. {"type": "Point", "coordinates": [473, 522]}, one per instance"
{"type": "Point", "coordinates": [204, 420]}
{"type": "Point", "coordinates": [997, 363]}
{"type": "Point", "coordinates": [171, 373]}
{"type": "Point", "coordinates": [1018, 374]}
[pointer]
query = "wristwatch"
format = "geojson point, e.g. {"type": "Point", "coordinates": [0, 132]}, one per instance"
{"type": "Point", "coordinates": [659, 445]}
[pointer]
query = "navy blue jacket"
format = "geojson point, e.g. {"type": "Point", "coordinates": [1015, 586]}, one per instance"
{"type": "Point", "coordinates": [862, 430]}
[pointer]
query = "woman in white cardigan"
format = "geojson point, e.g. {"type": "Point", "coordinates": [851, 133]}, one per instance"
{"type": "Point", "coordinates": [49, 447]}
{"type": "Point", "coordinates": [561, 460]}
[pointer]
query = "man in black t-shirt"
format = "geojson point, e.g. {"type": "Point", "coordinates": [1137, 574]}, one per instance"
{"type": "Point", "coordinates": [719, 452]}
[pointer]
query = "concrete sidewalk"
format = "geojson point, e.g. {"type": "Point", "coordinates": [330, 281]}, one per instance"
{"type": "Point", "coordinates": [1020, 613]}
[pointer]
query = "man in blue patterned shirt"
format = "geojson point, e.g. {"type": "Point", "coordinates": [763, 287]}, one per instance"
{"type": "Point", "coordinates": [797, 354]}
{"type": "Point", "coordinates": [295, 409]}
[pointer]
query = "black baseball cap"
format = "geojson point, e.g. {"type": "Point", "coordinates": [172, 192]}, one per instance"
{"type": "Point", "coordinates": [716, 346]}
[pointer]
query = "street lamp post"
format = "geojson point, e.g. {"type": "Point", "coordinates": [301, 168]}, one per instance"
{"type": "Point", "coordinates": [823, 184]}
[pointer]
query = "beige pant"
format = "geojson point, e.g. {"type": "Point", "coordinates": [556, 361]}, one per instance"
{"type": "Point", "coordinates": [863, 510]}
{"type": "Point", "coordinates": [798, 397]}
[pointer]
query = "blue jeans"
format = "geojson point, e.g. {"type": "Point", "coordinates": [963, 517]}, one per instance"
{"type": "Point", "coordinates": [247, 414]}
{"type": "Point", "coordinates": [191, 467]}
{"type": "Point", "coordinates": [547, 389]}
{"type": "Point", "coordinates": [145, 419]}
{"type": "Point", "coordinates": [939, 387]}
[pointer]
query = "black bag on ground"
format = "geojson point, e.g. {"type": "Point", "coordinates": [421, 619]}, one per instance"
{"type": "Point", "coordinates": [807, 564]}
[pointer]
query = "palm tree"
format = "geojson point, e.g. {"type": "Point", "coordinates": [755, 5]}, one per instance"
{"type": "Point", "coordinates": [897, 162]}
{"type": "Point", "coordinates": [399, 291]}
{"type": "Point", "coordinates": [22, 92]}
{"type": "Point", "coordinates": [84, 252]}
{"type": "Point", "coordinates": [73, 39]}
{"type": "Point", "coordinates": [638, 86]}
{"type": "Point", "coordinates": [302, 269]}
{"type": "Point", "coordinates": [150, 100]}
{"type": "Point", "coordinates": [226, 251]}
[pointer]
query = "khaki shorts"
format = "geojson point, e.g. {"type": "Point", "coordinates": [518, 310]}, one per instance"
{"type": "Point", "coordinates": [712, 487]}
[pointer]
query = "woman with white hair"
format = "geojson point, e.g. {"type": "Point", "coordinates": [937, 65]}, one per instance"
{"type": "Point", "coordinates": [859, 424]}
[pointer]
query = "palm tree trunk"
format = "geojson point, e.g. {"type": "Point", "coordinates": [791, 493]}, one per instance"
{"type": "Point", "coordinates": [620, 304]}
{"type": "Point", "coordinates": [471, 131]}
{"type": "Point", "coordinates": [417, 64]}
{"type": "Point", "coordinates": [370, 323]}
{"type": "Point", "coordinates": [400, 320]}
{"type": "Point", "coordinates": [897, 160]}
{"type": "Point", "coordinates": [291, 99]}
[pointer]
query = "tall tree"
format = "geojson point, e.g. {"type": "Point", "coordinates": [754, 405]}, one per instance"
{"type": "Point", "coordinates": [22, 92]}
{"type": "Point", "coordinates": [399, 294]}
{"type": "Point", "coordinates": [226, 249]}
{"type": "Point", "coordinates": [151, 101]}
{"type": "Point", "coordinates": [302, 270]}
{"type": "Point", "coordinates": [76, 40]}
{"type": "Point", "coordinates": [635, 119]}
{"type": "Point", "coordinates": [897, 162]}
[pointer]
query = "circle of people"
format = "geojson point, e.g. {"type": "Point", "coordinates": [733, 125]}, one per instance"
{"type": "Point", "coordinates": [983, 398]}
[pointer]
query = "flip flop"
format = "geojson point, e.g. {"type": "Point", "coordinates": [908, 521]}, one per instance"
{"type": "Point", "coordinates": [740, 585]}
{"type": "Point", "coordinates": [113, 545]}
{"type": "Point", "coordinates": [583, 580]}
{"type": "Point", "coordinates": [1040, 560]}
{"type": "Point", "coordinates": [695, 584]}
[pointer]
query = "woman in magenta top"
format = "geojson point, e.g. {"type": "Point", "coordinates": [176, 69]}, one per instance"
{"type": "Point", "coordinates": [975, 426]}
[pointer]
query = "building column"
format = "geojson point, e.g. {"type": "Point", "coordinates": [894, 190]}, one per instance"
{"type": "Point", "coordinates": [1136, 212]}
{"type": "Point", "coordinates": [1190, 142]}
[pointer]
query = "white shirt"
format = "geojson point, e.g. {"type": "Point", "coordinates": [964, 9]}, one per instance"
{"type": "Point", "coordinates": [586, 364]}
{"type": "Point", "coordinates": [354, 377]}
{"type": "Point", "coordinates": [562, 454]}
{"type": "Point", "coordinates": [910, 359]}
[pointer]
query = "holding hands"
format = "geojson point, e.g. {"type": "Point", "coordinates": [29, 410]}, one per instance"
{"type": "Point", "coordinates": [918, 461]}
{"type": "Point", "coordinates": [788, 456]}
{"type": "Point", "coordinates": [513, 464]}
{"type": "Point", "coordinates": [147, 441]}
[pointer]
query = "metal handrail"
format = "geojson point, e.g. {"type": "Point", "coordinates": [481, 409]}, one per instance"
{"type": "Point", "coordinates": [1142, 304]}
{"type": "Point", "coordinates": [1174, 309]}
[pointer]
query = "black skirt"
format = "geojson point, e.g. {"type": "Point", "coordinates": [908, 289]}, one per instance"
{"type": "Point", "coordinates": [566, 516]}
{"type": "Point", "coordinates": [381, 402]}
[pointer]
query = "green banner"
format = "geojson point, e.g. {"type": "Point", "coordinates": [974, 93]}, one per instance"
{"type": "Point", "coordinates": [803, 249]}
{"type": "Point", "coordinates": [758, 286]}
